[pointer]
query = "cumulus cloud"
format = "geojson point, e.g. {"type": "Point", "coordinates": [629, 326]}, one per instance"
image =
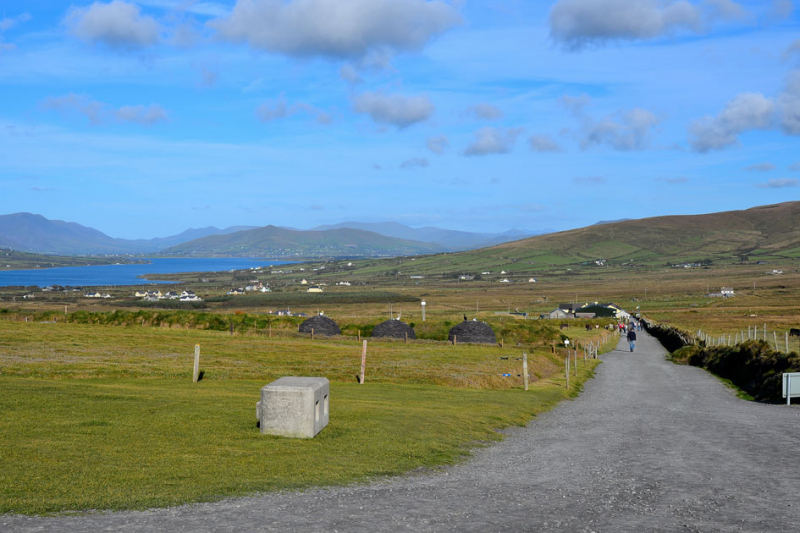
{"type": "Point", "coordinates": [394, 109]}
{"type": "Point", "coordinates": [349, 74]}
{"type": "Point", "coordinates": [99, 113]}
{"type": "Point", "coordinates": [792, 49]}
{"type": "Point", "coordinates": [795, 166]}
{"type": "Point", "coordinates": [543, 144]}
{"type": "Point", "coordinates": [578, 23]}
{"type": "Point", "coordinates": [782, 8]}
{"type": "Point", "coordinates": [484, 112]}
{"type": "Point", "coordinates": [747, 111]}
{"type": "Point", "coordinates": [789, 105]}
{"type": "Point", "coordinates": [117, 24]}
{"type": "Point", "coordinates": [280, 109]}
{"type": "Point", "coordinates": [492, 141]}
{"type": "Point", "coordinates": [779, 183]}
{"type": "Point", "coordinates": [335, 28]}
{"type": "Point", "coordinates": [591, 180]}
{"type": "Point", "coordinates": [760, 167]}
{"type": "Point", "coordinates": [140, 114]}
{"type": "Point", "coordinates": [438, 144]}
{"type": "Point", "coordinates": [414, 162]}
{"type": "Point", "coordinates": [623, 130]}
{"type": "Point", "coordinates": [7, 23]}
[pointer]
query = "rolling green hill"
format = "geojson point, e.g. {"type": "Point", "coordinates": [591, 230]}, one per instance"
{"type": "Point", "coordinates": [274, 242]}
{"type": "Point", "coordinates": [761, 233]}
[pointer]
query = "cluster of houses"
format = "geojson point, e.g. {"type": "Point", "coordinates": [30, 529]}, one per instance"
{"type": "Point", "coordinates": [254, 286]}
{"type": "Point", "coordinates": [95, 294]}
{"type": "Point", "coordinates": [154, 296]}
{"type": "Point", "coordinates": [588, 310]}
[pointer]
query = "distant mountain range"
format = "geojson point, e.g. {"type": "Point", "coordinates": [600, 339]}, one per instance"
{"type": "Point", "coordinates": [34, 233]}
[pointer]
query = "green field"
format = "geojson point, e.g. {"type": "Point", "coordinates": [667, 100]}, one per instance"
{"type": "Point", "coordinates": [106, 417]}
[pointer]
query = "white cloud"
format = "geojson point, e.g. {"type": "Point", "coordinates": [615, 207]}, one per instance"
{"type": "Point", "coordinates": [415, 162]}
{"type": "Point", "coordinates": [485, 111]}
{"type": "Point", "coordinates": [543, 144]}
{"type": "Point", "coordinates": [578, 23]}
{"type": "Point", "coordinates": [438, 144]}
{"type": "Point", "coordinates": [725, 9]}
{"type": "Point", "coordinates": [349, 74]}
{"type": "Point", "coordinates": [782, 8]}
{"type": "Point", "coordinates": [760, 167]}
{"type": "Point", "coordinates": [394, 109]}
{"type": "Point", "coordinates": [335, 28]}
{"type": "Point", "coordinates": [779, 183]}
{"type": "Point", "coordinates": [117, 24]}
{"type": "Point", "coordinates": [789, 105]}
{"type": "Point", "coordinates": [140, 114]}
{"type": "Point", "coordinates": [280, 109]}
{"type": "Point", "coordinates": [747, 111]}
{"type": "Point", "coordinates": [493, 141]}
{"type": "Point", "coordinates": [9, 22]}
{"type": "Point", "coordinates": [623, 130]}
{"type": "Point", "coordinates": [795, 166]}
{"type": "Point", "coordinates": [99, 113]}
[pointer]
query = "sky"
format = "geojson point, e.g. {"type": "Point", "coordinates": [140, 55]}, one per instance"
{"type": "Point", "coordinates": [144, 118]}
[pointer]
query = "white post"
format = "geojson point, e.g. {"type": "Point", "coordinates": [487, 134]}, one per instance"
{"type": "Point", "coordinates": [363, 361]}
{"type": "Point", "coordinates": [787, 341]}
{"type": "Point", "coordinates": [196, 371]}
{"type": "Point", "coordinates": [525, 370]}
{"type": "Point", "coordinates": [423, 310]}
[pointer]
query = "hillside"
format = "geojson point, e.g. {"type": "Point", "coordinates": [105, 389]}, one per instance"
{"type": "Point", "coordinates": [274, 242]}
{"type": "Point", "coordinates": [761, 233]}
{"type": "Point", "coordinates": [446, 239]}
{"type": "Point", "coordinates": [29, 232]}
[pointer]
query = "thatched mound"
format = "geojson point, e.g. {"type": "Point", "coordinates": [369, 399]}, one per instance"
{"type": "Point", "coordinates": [321, 325]}
{"type": "Point", "coordinates": [394, 329]}
{"type": "Point", "coordinates": [473, 331]}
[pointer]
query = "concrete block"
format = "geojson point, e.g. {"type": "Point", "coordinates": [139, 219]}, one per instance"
{"type": "Point", "coordinates": [294, 407]}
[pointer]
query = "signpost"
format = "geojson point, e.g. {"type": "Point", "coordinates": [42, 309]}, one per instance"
{"type": "Point", "coordinates": [791, 386]}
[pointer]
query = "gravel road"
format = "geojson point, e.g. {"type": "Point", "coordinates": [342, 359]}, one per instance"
{"type": "Point", "coordinates": [649, 446]}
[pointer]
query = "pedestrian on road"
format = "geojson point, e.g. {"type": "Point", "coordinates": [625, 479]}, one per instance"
{"type": "Point", "coordinates": [632, 338]}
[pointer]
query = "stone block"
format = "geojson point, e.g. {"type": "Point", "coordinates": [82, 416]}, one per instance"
{"type": "Point", "coordinates": [294, 407]}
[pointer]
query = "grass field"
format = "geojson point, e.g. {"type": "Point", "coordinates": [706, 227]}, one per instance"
{"type": "Point", "coordinates": [106, 417]}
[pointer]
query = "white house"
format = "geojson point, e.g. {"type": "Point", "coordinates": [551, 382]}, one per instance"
{"type": "Point", "coordinates": [505, 280]}
{"type": "Point", "coordinates": [314, 288]}
{"type": "Point", "coordinates": [726, 291]}
{"type": "Point", "coordinates": [303, 282]}
{"type": "Point", "coordinates": [238, 291]}
{"type": "Point", "coordinates": [532, 280]}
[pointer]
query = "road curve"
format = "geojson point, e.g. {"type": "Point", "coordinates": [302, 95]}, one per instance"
{"type": "Point", "coordinates": [648, 446]}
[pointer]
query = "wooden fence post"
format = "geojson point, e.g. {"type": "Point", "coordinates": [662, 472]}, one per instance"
{"type": "Point", "coordinates": [566, 364]}
{"type": "Point", "coordinates": [787, 341]}
{"type": "Point", "coordinates": [363, 361]}
{"type": "Point", "coordinates": [525, 370]}
{"type": "Point", "coordinates": [312, 334]}
{"type": "Point", "coordinates": [196, 371]}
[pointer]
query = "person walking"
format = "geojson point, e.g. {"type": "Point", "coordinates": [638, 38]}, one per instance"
{"type": "Point", "coordinates": [632, 338]}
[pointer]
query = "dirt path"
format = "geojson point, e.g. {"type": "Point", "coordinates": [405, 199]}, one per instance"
{"type": "Point", "coordinates": [649, 446]}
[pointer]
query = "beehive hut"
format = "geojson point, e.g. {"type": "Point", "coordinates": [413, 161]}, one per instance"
{"type": "Point", "coordinates": [394, 329]}
{"type": "Point", "coordinates": [472, 331]}
{"type": "Point", "coordinates": [321, 325]}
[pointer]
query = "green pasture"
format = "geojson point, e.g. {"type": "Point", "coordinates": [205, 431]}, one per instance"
{"type": "Point", "coordinates": [106, 417]}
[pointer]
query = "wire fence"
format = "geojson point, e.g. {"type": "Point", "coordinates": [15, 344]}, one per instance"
{"type": "Point", "coordinates": [780, 340]}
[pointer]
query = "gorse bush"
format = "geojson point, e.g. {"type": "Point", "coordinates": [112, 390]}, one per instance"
{"type": "Point", "coordinates": [752, 366]}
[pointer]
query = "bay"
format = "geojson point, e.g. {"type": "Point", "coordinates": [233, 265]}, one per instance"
{"type": "Point", "coordinates": [108, 275]}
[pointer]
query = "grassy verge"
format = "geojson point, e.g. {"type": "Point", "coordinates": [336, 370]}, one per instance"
{"type": "Point", "coordinates": [106, 417]}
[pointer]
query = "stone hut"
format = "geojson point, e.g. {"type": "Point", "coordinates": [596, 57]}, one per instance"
{"type": "Point", "coordinates": [321, 325]}
{"type": "Point", "coordinates": [472, 331]}
{"type": "Point", "coordinates": [394, 329]}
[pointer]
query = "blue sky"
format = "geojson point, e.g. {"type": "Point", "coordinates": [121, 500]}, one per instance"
{"type": "Point", "coordinates": [144, 118]}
